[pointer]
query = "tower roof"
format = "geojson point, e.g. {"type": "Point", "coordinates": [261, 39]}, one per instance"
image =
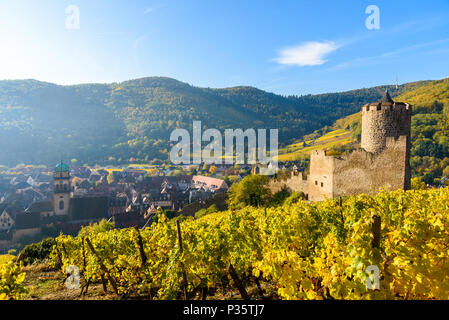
{"type": "Point", "coordinates": [386, 97]}
{"type": "Point", "coordinates": [62, 167]}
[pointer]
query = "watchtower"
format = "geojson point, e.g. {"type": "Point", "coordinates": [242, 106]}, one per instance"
{"type": "Point", "coordinates": [382, 119]}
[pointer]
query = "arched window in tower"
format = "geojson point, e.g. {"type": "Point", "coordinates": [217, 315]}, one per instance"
{"type": "Point", "coordinates": [61, 205]}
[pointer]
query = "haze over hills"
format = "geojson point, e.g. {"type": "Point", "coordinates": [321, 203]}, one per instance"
{"type": "Point", "coordinates": [100, 123]}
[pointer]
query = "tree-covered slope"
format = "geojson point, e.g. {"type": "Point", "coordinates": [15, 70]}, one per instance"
{"type": "Point", "coordinates": [95, 123]}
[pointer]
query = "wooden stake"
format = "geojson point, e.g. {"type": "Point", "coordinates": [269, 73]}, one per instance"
{"type": "Point", "coordinates": [184, 275]}
{"type": "Point", "coordinates": [143, 257]}
{"type": "Point", "coordinates": [375, 229]}
{"type": "Point", "coordinates": [105, 285]}
{"type": "Point", "coordinates": [204, 293]}
{"type": "Point", "coordinates": [84, 254]}
{"type": "Point", "coordinates": [237, 282]}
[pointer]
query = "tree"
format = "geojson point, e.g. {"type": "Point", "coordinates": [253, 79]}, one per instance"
{"type": "Point", "coordinates": [230, 180]}
{"type": "Point", "coordinates": [252, 191]}
{"type": "Point", "coordinates": [212, 209]}
{"type": "Point", "coordinates": [212, 169]}
{"type": "Point", "coordinates": [418, 184]}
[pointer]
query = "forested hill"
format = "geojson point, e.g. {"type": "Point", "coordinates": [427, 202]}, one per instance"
{"type": "Point", "coordinates": [99, 123]}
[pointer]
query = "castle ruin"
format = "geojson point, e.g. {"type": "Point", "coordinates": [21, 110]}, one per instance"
{"type": "Point", "coordinates": [382, 160]}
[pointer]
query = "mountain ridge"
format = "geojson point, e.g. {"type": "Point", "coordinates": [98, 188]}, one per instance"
{"type": "Point", "coordinates": [132, 120]}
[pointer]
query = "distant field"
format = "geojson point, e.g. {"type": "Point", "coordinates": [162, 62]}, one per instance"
{"type": "Point", "coordinates": [331, 139]}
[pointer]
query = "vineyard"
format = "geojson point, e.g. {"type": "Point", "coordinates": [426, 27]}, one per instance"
{"type": "Point", "coordinates": [298, 250]}
{"type": "Point", "coordinates": [307, 251]}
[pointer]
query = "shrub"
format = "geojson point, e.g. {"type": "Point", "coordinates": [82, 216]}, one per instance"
{"type": "Point", "coordinates": [11, 280]}
{"type": "Point", "coordinates": [37, 252]}
{"type": "Point", "coordinates": [200, 213]}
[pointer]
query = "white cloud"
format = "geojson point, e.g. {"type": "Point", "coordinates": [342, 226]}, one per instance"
{"type": "Point", "coordinates": [306, 54]}
{"type": "Point", "coordinates": [381, 58]}
{"type": "Point", "coordinates": [148, 10]}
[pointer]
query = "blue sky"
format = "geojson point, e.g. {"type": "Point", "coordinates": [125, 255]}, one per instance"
{"type": "Point", "coordinates": [286, 47]}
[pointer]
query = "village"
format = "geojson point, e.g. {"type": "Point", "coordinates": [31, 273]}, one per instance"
{"type": "Point", "coordinates": [36, 201]}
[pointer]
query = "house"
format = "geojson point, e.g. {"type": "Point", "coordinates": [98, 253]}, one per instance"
{"type": "Point", "coordinates": [213, 184]}
{"type": "Point", "coordinates": [88, 209]}
{"type": "Point", "coordinates": [43, 208]}
{"type": "Point", "coordinates": [27, 224]}
{"type": "Point", "coordinates": [199, 194]}
{"type": "Point", "coordinates": [128, 219]}
{"type": "Point", "coordinates": [117, 205]}
{"type": "Point", "coordinates": [7, 216]}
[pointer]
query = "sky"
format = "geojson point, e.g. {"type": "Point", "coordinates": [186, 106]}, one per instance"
{"type": "Point", "coordinates": [285, 47]}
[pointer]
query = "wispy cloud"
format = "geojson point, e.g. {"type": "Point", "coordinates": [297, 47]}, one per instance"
{"type": "Point", "coordinates": [387, 55]}
{"type": "Point", "coordinates": [306, 54]}
{"type": "Point", "coordinates": [136, 46]}
{"type": "Point", "coordinates": [148, 10]}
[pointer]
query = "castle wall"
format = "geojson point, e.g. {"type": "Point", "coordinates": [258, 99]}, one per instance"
{"type": "Point", "coordinates": [320, 180]}
{"type": "Point", "coordinates": [296, 183]}
{"type": "Point", "coordinates": [364, 172]}
{"type": "Point", "coordinates": [25, 232]}
{"type": "Point", "coordinates": [352, 174]}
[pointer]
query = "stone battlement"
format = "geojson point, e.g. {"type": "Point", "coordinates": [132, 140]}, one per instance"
{"type": "Point", "coordinates": [401, 107]}
{"type": "Point", "coordinates": [319, 153]}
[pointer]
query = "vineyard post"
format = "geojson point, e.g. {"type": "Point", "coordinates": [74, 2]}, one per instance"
{"type": "Point", "coordinates": [340, 204]}
{"type": "Point", "coordinates": [402, 209]}
{"type": "Point", "coordinates": [102, 266]}
{"type": "Point", "coordinates": [237, 282]}
{"type": "Point", "coordinates": [84, 254]}
{"type": "Point", "coordinates": [59, 254]}
{"type": "Point", "coordinates": [63, 248]}
{"type": "Point", "coordinates": [375, 229]}
{"type": "Point", "coordinates": [143, 257]}
{"type": "Point", "coordinates": [184, 275]}
{"type": "Point", "coordinates": [85, 287]}
{"type": "Point", "coordinates": [103, 282]}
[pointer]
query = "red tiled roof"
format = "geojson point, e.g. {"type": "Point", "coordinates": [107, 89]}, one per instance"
{"type": "Point", "coordinates": [209, 182]}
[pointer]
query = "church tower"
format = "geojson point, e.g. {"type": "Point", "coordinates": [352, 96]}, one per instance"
{"type": "Point", "coordinates": [61, 189]}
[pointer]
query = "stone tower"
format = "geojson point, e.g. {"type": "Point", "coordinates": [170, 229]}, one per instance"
{"type": "Point", "coordinates": [61, 189]}
{"type": "Point", "coordinates": [386, 118]}
{"type": "Point", "coordinates": [383, 119]}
